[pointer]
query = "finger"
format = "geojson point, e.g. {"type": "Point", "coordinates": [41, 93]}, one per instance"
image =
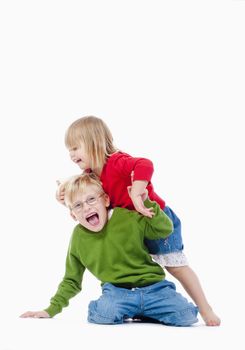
{"type": "Point", "coordinates": [151, 211]}
{"type": "Point", "coordinates": [27, 314]}
{"type": "Point", "coordinates": [148, 212]}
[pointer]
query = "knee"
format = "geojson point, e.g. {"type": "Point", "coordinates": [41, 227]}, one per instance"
{"type": "Point", "coordinates": [101, 314]}
{"type": "Point", "coordinates": [182, 318]}
{"type": "Point", "coordinates": [173, 270]}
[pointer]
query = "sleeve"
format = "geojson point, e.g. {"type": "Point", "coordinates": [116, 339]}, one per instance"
{"type": "Point", "coordinates": [159, 226]}
{"type": "Point", "coordinates": [142, 167]}
{"type": "Point", "coordinates": [70, 285]}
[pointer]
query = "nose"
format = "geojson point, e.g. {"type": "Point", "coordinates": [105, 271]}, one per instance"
{"type": "Point", "coordinates": [86, 207]}
{"type": "Point", "coordinates": [72, 155]}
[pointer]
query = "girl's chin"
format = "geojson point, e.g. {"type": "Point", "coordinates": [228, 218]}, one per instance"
{"type": "Point", "coordinates": [81, 166]}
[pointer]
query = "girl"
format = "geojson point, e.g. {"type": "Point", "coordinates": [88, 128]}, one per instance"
{"type": "Point", "coordinates": [90, 144]}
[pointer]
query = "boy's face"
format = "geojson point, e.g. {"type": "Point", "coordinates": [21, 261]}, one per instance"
{"type": "Point", "coordinates": [90, 208]}
{"type": "Point", "coordinates": [79, 156]}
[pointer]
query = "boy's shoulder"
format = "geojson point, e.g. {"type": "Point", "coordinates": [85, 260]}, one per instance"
{"type": "Point", "coordinates": [77, 230]}
{"type": "Point", "coordinates": [118, 211]}
{"type": "Point", "coordinates": [133, 214]}
{"type": "Point", "coordinates": [122, 219]}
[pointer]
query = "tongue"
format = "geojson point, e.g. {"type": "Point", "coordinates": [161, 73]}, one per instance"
{"type": "Point", "coordinates": [93, 220]}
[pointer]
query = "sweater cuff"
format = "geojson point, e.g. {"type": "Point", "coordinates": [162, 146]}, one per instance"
{"type": "Point", "coordinates": [52, 310]}
{"type": "Point", "coordinates": [148, 203]}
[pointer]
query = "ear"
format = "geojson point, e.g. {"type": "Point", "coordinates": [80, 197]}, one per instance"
{"type": "Point", "coordinates": [73, 216]}
{"type": "Point", "coordinates": [107, 200]}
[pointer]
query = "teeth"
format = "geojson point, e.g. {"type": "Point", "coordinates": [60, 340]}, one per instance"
{"type": "Point", "coordinates": [88, 216]}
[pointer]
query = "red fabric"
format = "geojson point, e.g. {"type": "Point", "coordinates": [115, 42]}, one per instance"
{"type": "Point", "coordinates": [116, 177]}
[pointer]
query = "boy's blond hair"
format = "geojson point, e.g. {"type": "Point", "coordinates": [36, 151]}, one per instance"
{"type": "Point", "coordinates": [96, 137]}
{"type": "Point", "coordinates": [78, 183]}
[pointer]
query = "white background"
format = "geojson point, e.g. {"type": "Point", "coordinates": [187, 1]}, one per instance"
{"type": "Point", "coordinates": [168, 78]}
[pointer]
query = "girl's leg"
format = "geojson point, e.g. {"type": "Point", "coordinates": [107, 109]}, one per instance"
{"type": "Point", "coordinates": [189, 280]}
{"type": "Point", "coordinates": [170, 256]}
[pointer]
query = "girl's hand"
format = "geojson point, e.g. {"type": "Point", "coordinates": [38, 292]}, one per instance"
{"type": "Point", "coordinates": [138, 194]}
{"type": "Point", "coordinates": [138, 202]}
{"type": "Point", "coordinates": [60, 193]}
{"type": "Point", "coordinates": [35, 314]}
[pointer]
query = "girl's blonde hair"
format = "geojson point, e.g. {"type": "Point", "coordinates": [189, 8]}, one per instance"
{"type": "Point", "coordinates": [78, 183]}
{"type": "Point", "coordinates": [96, 137]}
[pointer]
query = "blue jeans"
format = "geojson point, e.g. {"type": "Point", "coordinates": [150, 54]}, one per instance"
{"type": "Point", "coordinates": [172, 243]}
{"type": "Point", "coordinates": [159, 301]}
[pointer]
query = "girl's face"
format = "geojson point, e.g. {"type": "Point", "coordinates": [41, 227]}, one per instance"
{"type": "Point", "coordinates": [79, 156]}
{"type": "Point", "coordinates": [90, 208]}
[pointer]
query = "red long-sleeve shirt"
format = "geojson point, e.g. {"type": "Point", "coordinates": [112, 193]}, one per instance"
{"type": "Point", "coordinates": [116, 177]}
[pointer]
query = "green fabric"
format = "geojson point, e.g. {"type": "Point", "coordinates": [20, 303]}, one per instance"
{"type": "Point", "coordinates": [117, 254]}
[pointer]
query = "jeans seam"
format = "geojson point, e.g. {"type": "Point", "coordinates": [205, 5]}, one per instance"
{"type": "Point", "coordinates": [98, 314]}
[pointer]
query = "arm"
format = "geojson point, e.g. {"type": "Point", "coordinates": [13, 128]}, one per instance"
{"type": "Point", "coordinates": [68, 288]}
{"type": "Point", "coordinates": [142, 167]}
{"type": "Point", "coordinates": [159, 226]}
{"type": "Point", "coordinates": [136, 191]}
{"type": "Point", "coordinates": [139, 171]}
{"type": "Point", "coordinates": [140, 177]}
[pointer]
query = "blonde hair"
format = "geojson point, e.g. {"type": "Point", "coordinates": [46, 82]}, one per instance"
{"type": "Point", "coordinates": [96, 137]}
{"type": "Point", "coordinates": [77, 184]}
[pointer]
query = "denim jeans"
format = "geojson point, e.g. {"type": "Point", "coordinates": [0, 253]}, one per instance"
{"type": "Point", "coordinates": [172, 243]}
{"type": "Point", "coordinates": [159, 301]}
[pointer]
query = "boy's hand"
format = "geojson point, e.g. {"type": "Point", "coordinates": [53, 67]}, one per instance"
{"type": "Point", "coordinates": [60, 193]}
{"type": "Point", "coordinates": [35, 314]}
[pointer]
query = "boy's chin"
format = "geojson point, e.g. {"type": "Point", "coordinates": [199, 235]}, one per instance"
{"type": "Point", "coordinates": [94, 229]}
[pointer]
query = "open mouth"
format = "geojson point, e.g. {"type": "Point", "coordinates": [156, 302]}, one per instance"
{"type": "Point", "coordinates": [93, 219]}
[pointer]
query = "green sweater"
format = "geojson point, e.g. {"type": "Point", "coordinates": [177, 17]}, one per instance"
{"type": "Point", "coordinates": [116, 254]}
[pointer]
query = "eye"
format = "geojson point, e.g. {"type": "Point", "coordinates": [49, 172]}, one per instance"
{"type": "Point", "coordinates": [77, 206]}
{"type": "Point", "coordinates": [91, 200]}
{"type": "Point", "coordinates": [72, 149]}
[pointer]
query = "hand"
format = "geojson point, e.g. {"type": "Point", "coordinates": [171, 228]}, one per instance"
{"type": "Point", "coordinates": [60, 193]}
{"type": "Point", "coordinates": [35, 314]}
{"type": "Point", "coordinates": [138, 202]}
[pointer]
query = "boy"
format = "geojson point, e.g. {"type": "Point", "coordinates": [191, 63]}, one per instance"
{"type": "Point", "coordinates": [110, 244]}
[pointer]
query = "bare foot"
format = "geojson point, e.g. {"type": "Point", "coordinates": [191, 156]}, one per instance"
{"type": "Point", "coordinates": [210, 318]}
